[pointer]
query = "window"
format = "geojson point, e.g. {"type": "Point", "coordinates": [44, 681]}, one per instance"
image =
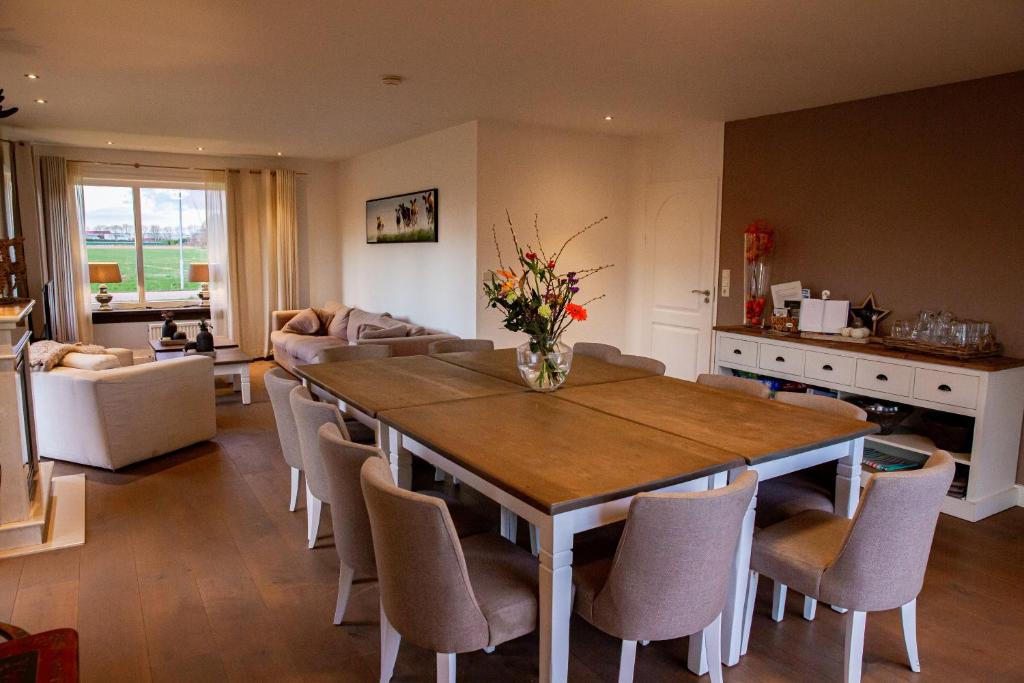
{"type": "Point", "coordinates": [154, 231]}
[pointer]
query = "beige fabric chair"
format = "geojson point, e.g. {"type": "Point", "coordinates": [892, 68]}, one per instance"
{"type": "Point", "coordinates": [740, 385]}
{"type": "Point", "coordinates": [642, 363]}
{"type": "Point", "coordinates": [874, 562]}
{"type": "Point", "coordinates": [670, 574]}
{"type": "Point", "coordinates": [279, 385]}
{"type": "Point", "coordinates": [346, 353]}
{"type": "Point", "coordinates": [441, 594]}
{"type": "Point", "coordinates": [453, 345]}
{"type": "Point", "coordinates": [310, 415]}
{"type": "Point", "coordinates": [605, 352]}
{"type": "Point", "coordinates": [342, 461]}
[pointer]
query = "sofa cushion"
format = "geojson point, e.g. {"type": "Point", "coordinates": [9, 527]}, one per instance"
{"type": "Point", "coordinates": [306, 349]}
{"type": "Point", "coordinates": [339, 323]}
{"type": "Point", "coordinates": [310, 321]}
{"type": "Point", "coordinates": [358, 317]}
{"type": "Point", "coordinates": [376, 332]}
{"type": "Point", "coordinates": [90, 361]}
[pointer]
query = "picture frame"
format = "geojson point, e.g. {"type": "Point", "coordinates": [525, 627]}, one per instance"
{"type": "Point", "coordinates": [403, 218]}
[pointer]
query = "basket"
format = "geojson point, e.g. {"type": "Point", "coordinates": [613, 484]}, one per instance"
{"type": "Point", "coordinates": [941, 350]}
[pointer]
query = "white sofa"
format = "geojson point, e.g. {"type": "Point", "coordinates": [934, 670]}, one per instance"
{"type": "Point", "coordinates": [115, 417]}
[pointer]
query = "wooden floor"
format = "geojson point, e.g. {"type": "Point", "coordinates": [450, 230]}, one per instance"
{"type": "Point", "coordinates": [193, 570]}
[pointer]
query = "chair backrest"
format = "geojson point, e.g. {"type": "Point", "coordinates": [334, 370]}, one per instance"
{"type": "Point", "coordinates": [751, 387]}
{"type": "Point", "coordinates": [453, 345]}
{"type": "Point", "coordinates": [424, 584]}
{"type": "Point", "coordinates": [823, 404]}
{"type": "Point", "coordinates": [641, 362]}
{"type": "Point", "coordinates": [337, 354]}
{"type": "Point", "coordinates": [342, 462]}
{"type": "Point", "coordinates": [279, 385]}
{"type": "Point", "coordinates": [309, 416]}
{"type": "Point", "coordinates": [605, 352]}
{"type": "Point", "coordinates": [882, 562]}
{"type": "Point", "coordinates": [670, 574]}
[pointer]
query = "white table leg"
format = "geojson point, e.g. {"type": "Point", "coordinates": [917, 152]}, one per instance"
{"type": "Point", "coordinates": [509, 525]}
{"type": "Point", "coordinates": [246, 387]}
{"type": "Point", "coordinates": [732, 615]}
{"type": "Point", "coordinates": [401, 459]}
{"type": "Point", "coordinates": [556, 538]}
{"type": "Point", "coordinates": [696, 659]}
{"type": "Point", "coordinates": [848, 472]}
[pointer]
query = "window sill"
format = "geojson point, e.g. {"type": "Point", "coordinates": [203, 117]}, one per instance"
{"type": "Point", "coordinates": [151, 314]}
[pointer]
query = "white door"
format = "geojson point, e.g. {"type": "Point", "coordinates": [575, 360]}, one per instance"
{"type": "Point", "coordinates": [681, 244]}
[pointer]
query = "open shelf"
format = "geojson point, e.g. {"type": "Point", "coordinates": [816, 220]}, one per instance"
{"type": "Point", "coordinates": [915, 443]}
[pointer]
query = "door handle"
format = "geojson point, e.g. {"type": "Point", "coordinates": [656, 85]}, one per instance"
{"type": "Point", "coordinates": [706, 293]}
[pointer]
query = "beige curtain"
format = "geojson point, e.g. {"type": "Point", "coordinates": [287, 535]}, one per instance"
{"type": "Point", "coordinates": [261, 252]}
{"type": "Point", "coordinates": [223, 297]}
{"type": "Point", "coordinates": [60, 196]}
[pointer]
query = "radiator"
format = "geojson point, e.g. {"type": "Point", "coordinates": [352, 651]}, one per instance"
{"type": "Point", "coordinates": [189, 327]}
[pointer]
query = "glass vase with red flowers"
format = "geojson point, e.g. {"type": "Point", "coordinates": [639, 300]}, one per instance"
{"type": "Point", "coordinates": [535, 297]}
{"type": "Point", "coordinates": [758, 245]}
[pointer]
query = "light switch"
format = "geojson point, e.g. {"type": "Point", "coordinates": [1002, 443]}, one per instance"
{"type": "Point", "coordinates": [725, 282]}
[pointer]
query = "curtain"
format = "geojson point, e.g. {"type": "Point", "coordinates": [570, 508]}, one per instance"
{"type": "Point", "coordinates": [66, 255]}
{"type": "Point", "coordinates": [262, 273]}
{"type": "Point", "coordinates": [220, 257]}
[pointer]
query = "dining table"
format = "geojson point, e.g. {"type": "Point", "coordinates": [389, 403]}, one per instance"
{"type": "Point", "coordinates": [571, 460]}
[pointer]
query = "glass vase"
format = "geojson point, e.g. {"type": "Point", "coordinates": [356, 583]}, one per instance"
{"type": "Point", "coordinates": [756, 278]}
{"type": "Point", "coordinates": [543, 364]}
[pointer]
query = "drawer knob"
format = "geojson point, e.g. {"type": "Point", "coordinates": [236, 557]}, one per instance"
{"type": "Point", "coordinates": [881, 378]}
{"type": "Point", "coordinates": [737, 352]}
{"type": "Point", "coordinates": [780, 359]}
{"type": "Point", "coordinates": [944, 387]}
{"type": "Point", "coordinates": [827, 367]}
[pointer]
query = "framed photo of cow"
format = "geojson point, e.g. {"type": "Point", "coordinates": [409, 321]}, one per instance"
{"type": "Point", "coordinates": [408, 217]}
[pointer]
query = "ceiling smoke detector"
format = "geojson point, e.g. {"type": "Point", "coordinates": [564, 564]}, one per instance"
{"type": "Point", "coordinates": [391, 79]}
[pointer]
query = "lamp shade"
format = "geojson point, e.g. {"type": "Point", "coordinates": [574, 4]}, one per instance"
{"type": "Point", "coordinates": [104, 273]}
{"type": "Point", "coordinates": [198, 272]}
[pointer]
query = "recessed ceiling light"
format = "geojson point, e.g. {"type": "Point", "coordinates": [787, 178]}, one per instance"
{"type": "Point", "coordinates": [280, 154]}
{"type": "Point", "coordinates": [608, 117]}
{"type": "Point", "coordinates": [199, 149]}
{"type": "Point", "coordinates": [40, 101]}
{"type": "Point", "coordinates": [110, 142]}
{"type": "Point", "coordinates": [32, 76]}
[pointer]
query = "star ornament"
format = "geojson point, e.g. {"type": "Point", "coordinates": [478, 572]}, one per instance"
{"type": "Point", "coordinates": [869, 314]}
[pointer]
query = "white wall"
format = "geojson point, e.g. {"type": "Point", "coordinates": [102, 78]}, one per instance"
{"type": "Point", "coordinates": [430, 284]}
{"type": "Point", "coordinates": [569, 179]}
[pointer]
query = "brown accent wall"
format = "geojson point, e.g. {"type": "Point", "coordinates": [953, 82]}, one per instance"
{"type": "Point", "coordinates": [917, 197]}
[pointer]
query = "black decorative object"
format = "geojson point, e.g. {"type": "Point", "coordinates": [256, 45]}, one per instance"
{"type": "Point", "coordinates": [869, 314]}
{"type": "Point", "coordinates": [204, 338]}
{"type": "Point", "coordinates": [4, 113]}
{"type": "Point", "coordinates": [170, 328]}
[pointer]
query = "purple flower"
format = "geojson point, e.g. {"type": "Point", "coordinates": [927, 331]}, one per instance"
{"type": "Point", "coordinates": [574, 290]}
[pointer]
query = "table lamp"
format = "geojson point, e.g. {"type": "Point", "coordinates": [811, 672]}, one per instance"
{"type": "Point", "coordinates": [102, 274]}
{"type": "Point", "coordinates": [200, 272]}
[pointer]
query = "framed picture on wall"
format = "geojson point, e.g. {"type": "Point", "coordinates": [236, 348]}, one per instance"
{"type": "Point", "coordinates": [408, 217]}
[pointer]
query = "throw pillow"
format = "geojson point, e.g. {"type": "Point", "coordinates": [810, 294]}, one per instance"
{"type": "Point", "coordinates": [309, 322]}
{"type": "Point", "coordinates": [377, 332]}
{"type": "Point", "coordinates": [90, 361]}
{"type": "Point", "coordinates": [339, 323]}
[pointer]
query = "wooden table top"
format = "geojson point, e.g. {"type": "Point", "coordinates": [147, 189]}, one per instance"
{"type": "Point", "coordinates": [381, 384]}
{"type": "Point", "coordinates": [757, 429]}
{"type": "Point", "coordinates": [557, 455]}
{"type": "Point", "coordinates": [160, 346]}
{"type": "Point", "coordinates": [502, 364]}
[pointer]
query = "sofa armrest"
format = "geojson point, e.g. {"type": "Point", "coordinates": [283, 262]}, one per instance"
{"type": "Point", "coordinates": [278, 319]}
{"type": "Point", "coordinates": [408, 346]}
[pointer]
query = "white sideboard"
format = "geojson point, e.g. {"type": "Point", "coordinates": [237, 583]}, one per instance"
{"type": "Point", "coordinates": [989, 390]}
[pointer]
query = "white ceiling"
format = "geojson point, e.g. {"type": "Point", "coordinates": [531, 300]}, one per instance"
{"type": "Point", "coordinates": [302, 77]}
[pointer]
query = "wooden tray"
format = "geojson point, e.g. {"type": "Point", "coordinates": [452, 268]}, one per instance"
{"type": "Point", "coordinates": [940, 350]}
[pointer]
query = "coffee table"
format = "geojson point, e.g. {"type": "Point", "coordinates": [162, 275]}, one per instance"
{"type": "Point", "coordinates": [230, 361]}
{"type": "Point", "coordinates": [175, 350]}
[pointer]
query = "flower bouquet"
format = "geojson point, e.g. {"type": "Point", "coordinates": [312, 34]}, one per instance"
{"type": "Point", "coordinates": [758, 244]}
{"type": "Point", "coordinates": [537, 299]}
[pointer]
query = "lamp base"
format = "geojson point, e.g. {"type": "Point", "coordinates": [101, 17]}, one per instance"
{"type": "Point", "coordinates": [204, 294]}
{"type": "Point", "coordinates": [104, 298]}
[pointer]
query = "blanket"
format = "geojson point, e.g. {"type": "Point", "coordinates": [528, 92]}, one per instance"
{"type": "Point", "coordinates": [46, 355]}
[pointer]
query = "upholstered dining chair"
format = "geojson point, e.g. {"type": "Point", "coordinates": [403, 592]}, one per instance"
{"type": "Point", "coordinates": [310, 415]}
{"type": "Point", "coordinates": [442, 594]}
{"type": "Point", "coordinates": [453, 345]}
{"type": "Point", "coordinates": [642, 362]}
{"type": "Point", "coordinates": [811, 489]}
{"type": "Point", "coordinates": [605, 352]}
{"type": "Point", "coordinates": [337, 354]}
{"type": "Point", "coordinates": [669, 575]}
{"type": "Point", "coordinates": [750, 387]}
{"type": "Point", "coordinates": [279, 385]}
{"type": "Point", "coordinates": [874, 562]}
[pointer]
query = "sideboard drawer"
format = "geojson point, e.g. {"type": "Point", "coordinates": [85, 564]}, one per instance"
{"type": "Point", "coordinates": [739, 351]}
{"type": "Point", "coordinates": [946, 387]}
{"type": "Point", "coordinates": [829, 367]}
{"type": "Point", "coordinates": [887, 377]}
{"type": "Point", "coordinates": [781, 359]}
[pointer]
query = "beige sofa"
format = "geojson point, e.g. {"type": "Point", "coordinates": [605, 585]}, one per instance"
{"type": "Point", "coordinates": [291, 349]}
{"type": "Point", "coordinates": [114, 417]}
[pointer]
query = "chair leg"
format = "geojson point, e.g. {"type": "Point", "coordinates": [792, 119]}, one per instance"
{"type": "Point", "coordinates": [294, 500]}
{"type": "Point", "coordinates": [854, 654]}
{"type": "Point", "coordinates": [534, 541]}
{"type": "Point", "coordinates": [627, 661]}
{"type": "Point", "coordinates": [713, 649]}
{"type": "Point", "coordinates": [345, 576]}
{"type": "Point", "coordinates": [778, 601]}
{"type": "Point", "coordinates": [445, 667]}
{"type": "Point", "coordinates": [908, 612]}
{"type": "Point", "coordinates": [390, 639]}
{"type": "Point", "coordinates": [810, 607]}
{"type": "Point", "coordinates": [748, 610]}
{"type": "Point", "coordinates": [313, 506]}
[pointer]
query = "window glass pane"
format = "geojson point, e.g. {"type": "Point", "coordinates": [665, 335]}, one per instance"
{"type": "Point", "coordinates": [173, 237]}
{"type": "Point", "coordinates": [110, 236]}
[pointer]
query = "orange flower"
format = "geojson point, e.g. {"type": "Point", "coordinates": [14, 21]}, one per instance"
{"type": "Point", "coordinates": [507, 286]}
{"type": "Point", "coordinates": [507, 274]}
{"type": "Point", "coordinates": [576, 312]}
